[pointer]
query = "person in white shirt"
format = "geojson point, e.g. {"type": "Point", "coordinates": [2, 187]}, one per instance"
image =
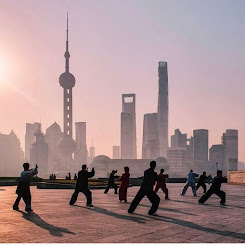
{"type": "Point", "coordinates": [23, 188]}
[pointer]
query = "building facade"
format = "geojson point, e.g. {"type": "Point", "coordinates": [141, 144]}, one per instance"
{"type": "Point", "coordinates": [128, 127]}
{"type": "Point", "coordinates": [200, 145]}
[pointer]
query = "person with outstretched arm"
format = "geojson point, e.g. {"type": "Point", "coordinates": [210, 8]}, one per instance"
{"type": "Point", "coordinates": [201, 182]}
{"type": "Point", "coordinates": [215, 189]}
{"type": "Point", "coordinates": [190, 182]}
{"type": "Point", "coordinates": [23, 188]}
{"type": "Point", "coordinates": [82, 185]}
{"type": "Point", "coordinates": [146, 189]}
{"type": "Point", "coordinates": [111, 182]}
{"type": "Point", "coordinates": [162, 184]}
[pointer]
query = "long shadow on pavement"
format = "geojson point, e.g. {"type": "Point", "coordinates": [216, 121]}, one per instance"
{"type": "Point", "coordinates": [118, 216]}
{"type": "Point", "coordinates": [168, 209]}
{"type": "Point", "coordinates": [2, 189]}
{"type": "Point", "coordinates": [192, 225]}
{"type": "Point", "coordinates": [37, 220]}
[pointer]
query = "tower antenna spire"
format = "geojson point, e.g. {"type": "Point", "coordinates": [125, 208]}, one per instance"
{"type": "Point", "coordinates": [67, 54]}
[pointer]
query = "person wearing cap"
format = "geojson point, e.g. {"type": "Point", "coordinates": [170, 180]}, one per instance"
{"type": "Point", "coordinates": [82, 185]}
{"type": "Point", "coordinates": [146, 189]}
{"type": "Point", "coordinates": [190, 182]}
{"type": "Point", "coordinates": [23, 188]}
{"type": "Point", "coordinates": [124, 184]}
{"type": "Point", "coordinates": [111, 182]}
{"type": "Point", "coordinates": [162, 184]}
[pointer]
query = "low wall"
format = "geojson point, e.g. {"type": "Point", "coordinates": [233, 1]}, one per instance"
{"type": "Point", "coordinates": [236, 177]}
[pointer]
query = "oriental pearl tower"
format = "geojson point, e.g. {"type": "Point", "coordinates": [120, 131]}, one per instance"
{"type": "Point", "coordinates": [67, 81]}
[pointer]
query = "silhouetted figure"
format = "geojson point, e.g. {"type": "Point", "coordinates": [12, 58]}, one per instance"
{"type": "Point", "coordinates": [111, 182]}
{"type": "Point", "coordinates": [190, 182]}
{"type": "Point", "coordinates": [124, 184]}
{"type": "Point", "coordinates": [146, 189]}
{"type": "Point", "coordinates": [75, 176]}
{"type": "Point", "coordinates": [82, 185]}
{"type": "Point", "coordinates": [201, 182]}
{"type": "Point", "coordinates": [54, 177]}
{"type": "Point", "coordinates": [23, 188]}
{"type": "Point", "coordinates": [162, 184]}
{"type": "Point", "coordinates": [215, 189]}
{"type": "Point", "coordinates": [50, 176]}
{"type": "Point", "coordinates": [69, 176]}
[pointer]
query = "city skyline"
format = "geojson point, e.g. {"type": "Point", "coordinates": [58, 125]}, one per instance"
{"type": "Point", "coordinates": [37, 97]}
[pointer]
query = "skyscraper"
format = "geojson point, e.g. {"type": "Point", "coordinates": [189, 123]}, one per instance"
{"type": "Point", "coordinates": [128, 127]}
{"type": "Point", "coordinates": [217, 155]}
{"type": "Point", "coordinates": [39, 154]}
{"type": "Point", "coordinates": [150, 144]}
{"type": "Point", "coordinates": [200, 145]}
{"type": "Point", "coordinates": [67, 81]}
{"type": "Point", "coordinates": [230, 141]}
{"type": "Point", "coordinates": [81, 152]}
{"type": "Point", "coordinates": [30, 138]}
{"type": "Point", "coordinates": [162, 109]}
{"type": "Point", "coordinates": [178, 139]}
{"type": "Point", "coordinates": [116, 152]}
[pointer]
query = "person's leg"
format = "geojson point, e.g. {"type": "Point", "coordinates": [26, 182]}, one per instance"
{"type": "Point", "coordinates": [156, 188]}
{"type": "Point", "coordinates": [107, 188]}
{"type": "Point", "coordinates": [185, 189]}
{"type": "Point", "coordinates": [74, 196]}
{"type": "Point", "coordinates": [165, 190]}
{"type": "Point", "coordinates": [198, 185]}
{"type": "Point", "coordinates": [193, 186]}
{"type": "Point", "coordinates": [205, 197]}
{"type": "Point", "coordinates": [222, 195]}
{"type": "Point", "coordinates": [204, 188]}
{"type": "Point", "coordinates": [115, 188]}
{"type": "Point", "coordinates": [27, 199]}
{"type": "Point", "coordinates": [136, 201]}
{"type": "Point", "coordinates": [155, 200]}
{"type": "Point", "coordinates": [88, 195]}
{"type": "Point", "coordinates": [17, 201]}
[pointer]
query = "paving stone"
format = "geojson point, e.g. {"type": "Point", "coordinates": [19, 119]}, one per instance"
{"type": "Point", "coordinates": [179, 220]}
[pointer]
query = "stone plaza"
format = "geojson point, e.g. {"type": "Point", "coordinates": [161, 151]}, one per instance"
{"type": "Point", "coordinates": [180, 219]}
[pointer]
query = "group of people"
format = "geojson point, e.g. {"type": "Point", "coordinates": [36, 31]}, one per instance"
{"type": "Point", "coordinates": [151, 183]}
{"type": "Point", "coordinates": [52, 177]}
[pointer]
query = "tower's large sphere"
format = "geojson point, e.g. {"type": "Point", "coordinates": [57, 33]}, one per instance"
{"type": "Point", "coordinates": [67, 80]}
{"type": "Point", "coordinates": [67, 145]}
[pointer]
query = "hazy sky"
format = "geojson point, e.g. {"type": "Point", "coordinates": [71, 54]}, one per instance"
{"type": "Point", "coordinates": [115, 48]}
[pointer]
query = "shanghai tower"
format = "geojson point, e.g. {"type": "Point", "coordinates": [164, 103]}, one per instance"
{"type": "Point", "coordinates": [67, 81]}
{"type": "Point", "coordinates": [162, 109]}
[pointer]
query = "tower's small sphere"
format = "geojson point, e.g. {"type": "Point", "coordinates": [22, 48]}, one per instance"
{"type": "Point", "coordinates": [67, 80]}
{"type": "Point", "coordinates": [67, 145]}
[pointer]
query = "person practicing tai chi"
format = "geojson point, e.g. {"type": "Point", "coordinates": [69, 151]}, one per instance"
{"type": "Point", "coordinates": [82, 185]}
{"type": "Point", "coordinates": [190, 182]}
{"type": "Point", "coordinates": [146, 189]}
{"type": "Point", "coordinates": [215, 189]}
{"type": "Point", "coordinates": [124, 184]}
{"type": "Point", "coordinates": [162, 184]}
{"type": "Point", "coordinates": [201, 182]}
{"type": "Point", "coordinates": [23, 188]}
{"type": "Point", "coordinates": [111, 182]}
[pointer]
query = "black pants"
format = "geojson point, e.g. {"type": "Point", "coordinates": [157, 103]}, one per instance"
{"type": "Point", "coordinates": [151, 195]}
{"type": "Point", "coordinates": [203, 186]}
{"type": "Point", "coordinates": [26, 195]}
{"type": "Point", "coordinates": [109, 186]}
{"type": "Point", "coordinates": [210, 192]}
{"type": "Point", "coordinates": [85, 191]}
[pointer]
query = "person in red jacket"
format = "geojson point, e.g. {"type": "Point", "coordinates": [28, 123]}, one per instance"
{"type": "Point", "coordinates": [162, 184]}
{"type": "Point", "coordinates": [124, 184]}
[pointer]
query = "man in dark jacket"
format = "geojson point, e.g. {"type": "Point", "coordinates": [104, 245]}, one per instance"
{"type": "Point", "coordinates": [23, 188]}
{"type": "Point", "coordinates": [146, 189]}
{"type": "Point", "coordinates": [215, 189]}
{"type": "Point", "coordinates": [82, 185]}
{"type": "Point", "coordinates": [111, 182]}
{"type": "Point", "coordinates": [201, 182]}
